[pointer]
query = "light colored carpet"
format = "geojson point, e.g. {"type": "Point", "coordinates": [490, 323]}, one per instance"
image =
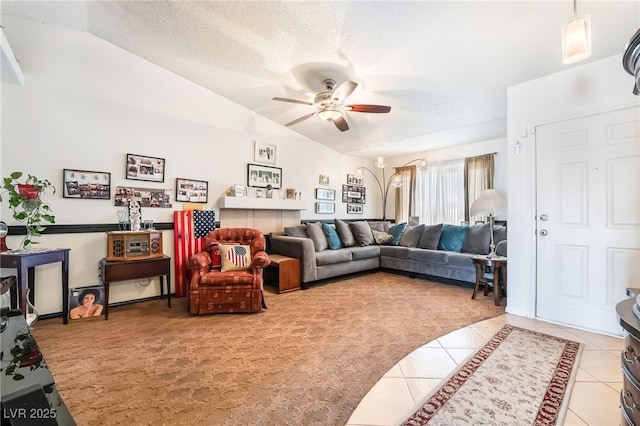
{"type": "Point", "coordinates": [307, 360]}
{"type": "Point", "coordinates": [520, 377]}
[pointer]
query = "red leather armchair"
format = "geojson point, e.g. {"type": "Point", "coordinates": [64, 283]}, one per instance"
{"type": "Point", "coordinates": [213, 291]}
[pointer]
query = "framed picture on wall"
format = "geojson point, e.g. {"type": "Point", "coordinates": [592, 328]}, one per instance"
{"type": "Point", "coordinates": [263, 176]}
{"type": "Point", "coordinates": [141, 167]}
{"type": "Point", "coordinates": [86, 185]}
{"type": "Point", "coordinates": [324, 180]}
{"type": "Point", "coordinates": [325, 194]}
{"type": "Point", "coordinates": [355, 180]}
{"type": "Point", "coordinates": [325, 208]}
{"type": "Point", "coordinates": [354, 208]}
{"type": "Point", "coordinates": [192, 191]}
{"type": "Point", "coordinates": [264, 153]}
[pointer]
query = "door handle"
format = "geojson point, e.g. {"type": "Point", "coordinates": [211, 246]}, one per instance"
{"type": "Point", "coordinates": [543, 232]}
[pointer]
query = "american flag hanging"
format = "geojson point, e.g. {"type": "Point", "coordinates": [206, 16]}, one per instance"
{"type": "Point", "coordinates": [189, 229]}
{"type": "Point", "coordinates": [237, 255]}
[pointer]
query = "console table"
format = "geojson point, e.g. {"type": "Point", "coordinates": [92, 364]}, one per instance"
{"type": "Point", "coordinates": [25, 262]}
{"type": "Point", "coordinates": [123, 270]}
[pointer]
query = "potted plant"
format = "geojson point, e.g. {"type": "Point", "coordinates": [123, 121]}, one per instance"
{"type": "Point", "coordinates": [26, 204]}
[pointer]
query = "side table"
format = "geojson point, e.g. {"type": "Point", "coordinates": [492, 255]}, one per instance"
{"type": "Point", "coordinates": [496, 278]}
{"type": "Point", "coordinates": [25, 262]}
{"type": "Point", "coordinates": [283, 272]}
{"type": "Point", "coordinates": [123, 270]}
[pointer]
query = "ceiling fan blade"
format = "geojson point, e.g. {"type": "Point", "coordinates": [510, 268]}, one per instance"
{"type": "Point", "coordinates": [344, 90]}
{"type": "Point", "coordinates": [293, 101]}
{"type": "Point", "coordinates": [297, 120]}
{"type": "Point", "coordinates": [341, 123]}
{"type": "Point", "coordinates": [368, 108]}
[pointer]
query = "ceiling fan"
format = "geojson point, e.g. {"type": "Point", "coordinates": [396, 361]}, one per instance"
{"type": "Point", "coordinates": [330, 104]}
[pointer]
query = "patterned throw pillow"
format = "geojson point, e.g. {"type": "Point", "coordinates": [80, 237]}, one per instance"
{"type": "Point", "coordinates": [381, 237]}
{"type": "Point", "coordinates": [216, 260]}
{"type": "Point", "coordinates": [235, 257]}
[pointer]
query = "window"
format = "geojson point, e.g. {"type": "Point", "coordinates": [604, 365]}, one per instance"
{"type": "Point", "coordinates": [439, 193]}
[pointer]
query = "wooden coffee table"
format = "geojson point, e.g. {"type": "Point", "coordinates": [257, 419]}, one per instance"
{"type": "Point", "coordinates": [283, 272]}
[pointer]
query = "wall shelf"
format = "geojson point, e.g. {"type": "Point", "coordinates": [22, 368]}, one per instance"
{"type": "Point", "coordinates": [249, 203]}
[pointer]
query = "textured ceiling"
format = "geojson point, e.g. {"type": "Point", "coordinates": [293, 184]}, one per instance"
{"type": "Point", "coordinates": [443, 67]}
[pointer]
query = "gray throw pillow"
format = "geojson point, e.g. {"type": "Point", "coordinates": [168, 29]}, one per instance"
{"type": "Point", "coordinates": [345, 234]}
{"type": "Point", "coordinates": [477, 239]}
{"type": "Point", "coordinates": [499, 233]}
{"type": "Point", "coordinates": [430, 237]}
{"type": "Point", "coordinates": [411, 236]}
{"type": "Point", "coordinates": [296, 231]}
{"type": "Point", "coordinates": [381, 226]}
{"type": "Point", "coordinates": [315, 232]}
{"type": "Point", "coordinates": [362, 233]}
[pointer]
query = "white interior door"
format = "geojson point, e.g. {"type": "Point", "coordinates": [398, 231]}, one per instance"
{"type": "Point", "coordinates": [588, 218]}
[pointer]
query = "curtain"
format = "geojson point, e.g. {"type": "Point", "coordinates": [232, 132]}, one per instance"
{"type": "Point", "coordinates": [478, 176]}
{"type": "Point", "coordinates": [403, 196]}
{"type": "Point", "coordinates": [439, 193]}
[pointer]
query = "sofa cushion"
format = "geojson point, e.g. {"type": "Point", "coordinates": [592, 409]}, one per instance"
{"type": "Point", "coordinates": [461, 260]}
{"type": "Point", "coordinates": [395, 251]}
{"type": "Point", "coordinates": [315, 232]}
{"type": "Point", "coordinates": [452, 237]}
{"type": "Point", "coordinates": [477, 239]}
{"type": "Point", "coordinates": [364, 252]}
{"type": "Point", "coordinates": [330, 257]}
{"type": "Point", "coordinates": [382, 226]}
{"type": "Point", "coordinates": [296, 231]}
{"type": "Point", "coordinates": [396, 232]}
{"type": "Point", "coordinates": [430, 237]}
{"type": "Point", "coordinates": [332, 237]}
{"type": "Point", "coordinates": [381, 237]}
{"type": "Point", "coordinates": [499, 233]}
{"type": "Point", "coordinates": [501, 248]}
{"type": "Point", "coordinates": [362, 233]}
{"type": "Point", "coordinates": [411, 236]}
{"type": "Point", "coordinates": [345, 234]}
{"type": "Point", "coordinates": [235, 257]}
{"type": "Point", "coordinates": [431, 256]}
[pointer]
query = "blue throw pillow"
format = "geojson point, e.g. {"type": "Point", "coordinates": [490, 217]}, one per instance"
{"type": "Point", "coordinates": [396, 231]}
{"type": "Point", "coordinates": [332, 237]}
{"type": "Point", "coordinates": [452, 237]}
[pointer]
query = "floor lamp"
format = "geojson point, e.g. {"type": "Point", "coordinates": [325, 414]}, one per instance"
{"type": "Point", "coordinates": [489, 203]}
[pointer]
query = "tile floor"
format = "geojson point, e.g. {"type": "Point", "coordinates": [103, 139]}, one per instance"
{"type": "Point", "coordinates": [594, 399]}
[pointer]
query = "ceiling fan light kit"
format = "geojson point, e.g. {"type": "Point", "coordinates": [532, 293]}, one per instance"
{"type": "Point", "coordinates": [330, 104]}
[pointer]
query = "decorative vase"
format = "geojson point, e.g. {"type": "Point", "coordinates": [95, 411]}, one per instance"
{"type": "Point", "coordinates": [29, 191]}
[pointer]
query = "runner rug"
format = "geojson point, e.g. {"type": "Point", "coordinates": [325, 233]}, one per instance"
{"type": "Point", "coordinates": [519, 377]}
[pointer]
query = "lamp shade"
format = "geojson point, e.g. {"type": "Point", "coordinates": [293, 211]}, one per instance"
{"type": "Point", "coordinates": [488, 203]}
{"type": "Point", "coordinates": [576, 40]}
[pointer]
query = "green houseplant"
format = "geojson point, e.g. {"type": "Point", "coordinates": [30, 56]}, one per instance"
{"type": "Point", "coordinates": [26, 204]}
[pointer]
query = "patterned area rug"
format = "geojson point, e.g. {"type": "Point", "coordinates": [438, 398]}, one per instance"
{"type": "Point", "coordinates": [519, 377]}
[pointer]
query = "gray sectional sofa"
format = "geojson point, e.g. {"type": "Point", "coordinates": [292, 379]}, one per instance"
{"type": "Point", "coordinates": [330, 250]}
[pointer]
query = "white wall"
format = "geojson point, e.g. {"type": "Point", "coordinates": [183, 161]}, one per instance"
{"type": "Point", "coordinates": [590, 88]}
{"type": "Point", "coordinates": [85, 104]}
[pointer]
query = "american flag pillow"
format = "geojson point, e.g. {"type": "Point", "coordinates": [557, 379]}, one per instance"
{"type": "Point", "coordinates": [235, 257]}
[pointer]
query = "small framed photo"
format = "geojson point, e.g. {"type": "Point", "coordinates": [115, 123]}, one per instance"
{"type": "Point", "coordinates": [240, 191]}
{"type": "Point", "coordinates": [85, 302]}
{"type": "Point", "coordinates": [291, 193]}
{"type": "Point", "coordinates": [192, 191]}
{"type": "Point", "coordinates": [354, 208]}
{"type": "Point", "coordinates": [264, 153]}
{"type": "Point", "coordinates": [86, 185]}
{"type": "Point", "coordinates": [263, 176]}
{"type": "Point", "coordinates": [140, 167]}
{"type": "Point", "coordinates": [324, 180]}
{"type": "Point", "coordinates": [325, 208]}
{"type": "Point", "coordinates": [355, 180]}
{"type": "Point", "coordinates": [325, 194]}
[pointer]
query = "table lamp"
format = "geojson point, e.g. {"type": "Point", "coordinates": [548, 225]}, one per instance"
{"type": "Point", "coordinates": [489, 203]}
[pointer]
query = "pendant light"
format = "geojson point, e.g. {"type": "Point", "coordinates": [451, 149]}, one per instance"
{"type": "Point", "coordinates": [576, 38]}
